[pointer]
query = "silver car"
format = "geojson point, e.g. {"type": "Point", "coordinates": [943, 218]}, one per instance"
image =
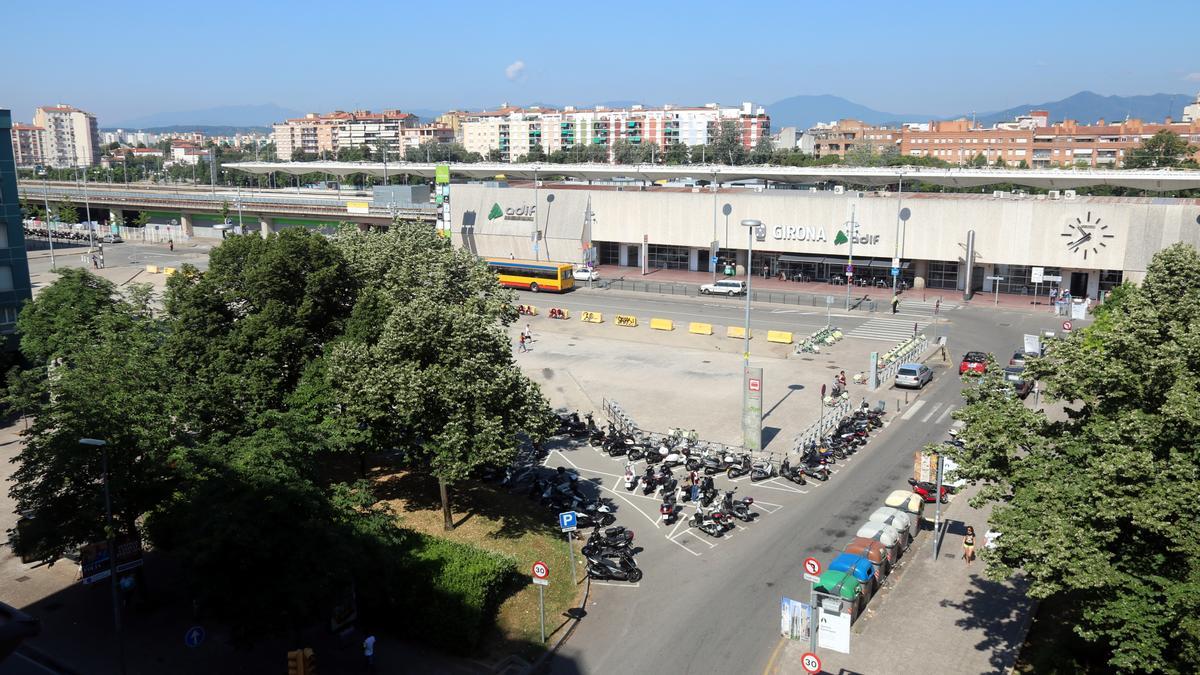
{"type": "Point", "coordinates": [913, 375]}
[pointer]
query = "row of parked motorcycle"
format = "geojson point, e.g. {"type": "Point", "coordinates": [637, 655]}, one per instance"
{"type": "Point", "coordinates": [65, 235]}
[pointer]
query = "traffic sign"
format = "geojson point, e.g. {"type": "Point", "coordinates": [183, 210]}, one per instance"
{"type": "Point", "coordinates": [567, 520]}
{"type": "Point", "coordinates": [849, 269]}
{"type": "Point", "coordinates": [194, 636]}
{"type": "Point", "coordinates": [895, 271]}
{"type": "Point", "coordinates": [994, 278]}
{"type": "Point", "coordinates": [811, 663]}
{"type": "Point", "coordinates": [540, 570]}
{"type": "Point", "coordinates": [822, 391]}
{"type": "Point", "coordinates": [714, 260]}
{"type": "Point", "coordinates": [755, 385]}
{"type": "Point", "coordinates": [812, 566]}
{"type": "Point", "coordinates": [1067, 326]}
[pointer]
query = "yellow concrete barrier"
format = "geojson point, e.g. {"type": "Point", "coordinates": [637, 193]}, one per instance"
{"type": "Point", "coordinates": [662, 324]}
{"type": "Point", "coordinates": [780, 336]}
{"type": "Point", "coordinates": [700, 328]}
{"type": "Point", "coordinates": [169, 271]}
{"type": "Point", "coordinates": [626, 320]}
{"type": "Point", "coordinates": [152, 269]}
{"type": "Point", "coordinates": [592, 317]}
{"type": "Point", "coordinates": [737, 332]}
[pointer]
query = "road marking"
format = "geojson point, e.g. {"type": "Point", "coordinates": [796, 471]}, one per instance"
{"type": "Point", "coordinates": [783, 485]}
{"type": "Point", "coordinates": [702, 540]}
{"type": "Point", "coordinates": [778, 506]}
{"type": "Point", "coordinates": [625, 585]}
{"type": "Point", "coordinates": [908, 414]}
{"type": "Point", "coordinates": [931, 413]}
{"type": "Point", "coordinates": [635, 508]}
{"type": "Point", "coordinates": [942, 418]}
{"type": "Point", "coordinates": [684, 546]}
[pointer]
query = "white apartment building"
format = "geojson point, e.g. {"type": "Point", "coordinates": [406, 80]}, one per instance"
{"type": "Point", "coordinates": [514, 131]}
{"type": "Point", "coordinates": [27, 142]}
{"type": "Point", "coordinates": [71, 137]}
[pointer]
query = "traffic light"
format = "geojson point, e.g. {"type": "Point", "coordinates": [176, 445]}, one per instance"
{"type": "Point", "coordinates": [302, 662]}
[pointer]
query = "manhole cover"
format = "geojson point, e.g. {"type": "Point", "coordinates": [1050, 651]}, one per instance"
{"type": "Point", "coordinates": [22, 579]}
{"type": "Point", "coordinates": [1006, 324]}
{"type": "Point", "coordinates": [832, 367]}
{"type": "Point", "coordinates": [570, 344]}
{"type": "Point", "coordinates": [706, 361]}
{"type": "Point", "coordinates": [807, 358]}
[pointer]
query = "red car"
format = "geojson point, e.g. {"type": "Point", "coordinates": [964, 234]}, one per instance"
{"type": "Point", "coordinates": [973, 361]}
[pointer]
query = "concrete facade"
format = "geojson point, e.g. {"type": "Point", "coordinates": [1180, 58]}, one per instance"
{"type": "Point", "coordinates": [14, 263]}
{"type": "Point", "coordinates": [1098, 239]}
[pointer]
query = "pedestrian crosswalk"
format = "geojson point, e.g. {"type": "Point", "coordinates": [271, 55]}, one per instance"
{"type": "Point", "coordinates": [918, 307]}
{"type": "Point", "coordinates": [887, 328]}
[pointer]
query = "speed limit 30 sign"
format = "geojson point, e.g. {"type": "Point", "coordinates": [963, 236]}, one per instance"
{"type": "Point", "coordinates": [811, 663]}
{"type": "Point", "coordinates": [540, 570]}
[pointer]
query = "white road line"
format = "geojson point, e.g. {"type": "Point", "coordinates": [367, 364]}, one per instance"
{"type": "Point", "coordinates": [683, 546]}
{"type": "Point", "coordinates": [625, 585]}
{"type": "Point", "coordinates": [681, 521]}
{"type": "Point", "coordinates": [781, 489]}
{"type": "Point", "coordinates": [778, 506]}
{"type": "Point", "coordinates": [937, 406]}
{"type": "Point", "coordinates": [635, 508]}
{"type": "Point", "coordinates": [908, 414]}
{"type": "Point", "coordinates": [773, 481]}
{"type": "Point", "coordinates": [942, 418]}
{"type": "Point", "coordinates": [702, 540]}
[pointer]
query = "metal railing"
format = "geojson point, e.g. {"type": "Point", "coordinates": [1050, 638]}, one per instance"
{"type": "Point", "coordinates": [831, 416]}
{"type": "Point", "coordinates": [913, 351]}
{"type": "Point", "coordinates": [693, 291]}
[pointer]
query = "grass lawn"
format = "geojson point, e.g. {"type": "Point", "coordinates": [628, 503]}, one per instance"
{"type": "Point", "coordinates": [490, 518]}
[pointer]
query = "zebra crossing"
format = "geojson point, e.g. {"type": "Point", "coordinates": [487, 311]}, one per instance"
{"type": "Point", "coordinates": [887, 328]}
{"type": "Point", "coordinates": [918, 307]}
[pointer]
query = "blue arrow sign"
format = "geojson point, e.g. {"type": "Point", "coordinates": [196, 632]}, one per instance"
{"type": "Point", "coordinates": [567, 520]}
{"type": "Point", "coordinates": [895, 271]}
{"type": "Point", "coordinates": [714, 260]}
{"type": "Point", "coordinates": [194, 636]}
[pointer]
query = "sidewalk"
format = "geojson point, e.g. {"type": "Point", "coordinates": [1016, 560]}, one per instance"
{"type": "Point", "coordinates": [938, 616]}
{"type": "Point", "coordinates": [949, 297]}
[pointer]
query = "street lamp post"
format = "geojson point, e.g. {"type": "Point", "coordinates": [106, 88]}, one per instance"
{"type": "Point", "coordinates": [49, 231]}
{"type": "Point", "coordinates": [852, 226]}
{"type": "Point", "coordinates": [112, 546]}
{"type": "Point", "coordinates": [753, 229]}
{"type": "Point", "coordinates": [896, 256]}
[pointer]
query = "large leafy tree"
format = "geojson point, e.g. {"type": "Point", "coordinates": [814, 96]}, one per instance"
{"type": "Point", "coordinates": [99, 372]}
{"type": "Point", "coordinates": [426, 363]}
{"type": "Point", "coordinates": [244, 331]}
{"type": "Point", "coordinates": [1103, 505]}
{"type": "Point", "coordinates": [1163, 150]}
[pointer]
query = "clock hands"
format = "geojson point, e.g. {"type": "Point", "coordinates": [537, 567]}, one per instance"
{"type": "Point", "coordinates": [1079, 242]}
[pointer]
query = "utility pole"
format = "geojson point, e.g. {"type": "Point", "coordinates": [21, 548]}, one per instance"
{"type": "Point", "coordinates": [49, 232]}
{"type": "Point", "coordinates": [852, 226]}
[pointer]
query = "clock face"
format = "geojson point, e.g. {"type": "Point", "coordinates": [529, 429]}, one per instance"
{"type": "Point", "coordinates": [1087, 235]}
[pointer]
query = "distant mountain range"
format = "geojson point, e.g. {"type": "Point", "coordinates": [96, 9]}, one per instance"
{"type": "Point", "coordinates": [1088, 107]}
{"type": "Point", "coordinates": [230, 115]}
{"type": "Point", "coordinates": [801, 112]}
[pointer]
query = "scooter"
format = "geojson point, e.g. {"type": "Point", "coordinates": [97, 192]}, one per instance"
{"type": "Point", "coordinates": [738, 508]}
{"type": "Point", "coordinates": [702, 520]}
{"type": "Point", "coordinates": [617, 568]}
{"type": "Point", "coordinates": [737, 466]}
{"type": "Point", "coordinates": [630, 477]}
{"type": "Point", "coordinates": [927, 490]}
{"type": "Point", "coordinates": [796, 475]}
{"type": "Point", "coordinates": [615, 538]}
{"type": "Point", "coordinates": [596, 435]}
{"type": "Point", "coordinates": [761, 470]}
{"type": "Point", "coordinates": [669, 509]}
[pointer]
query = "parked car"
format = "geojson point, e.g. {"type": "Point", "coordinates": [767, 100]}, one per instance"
{"type": "Point", "coordinates": [913, 375]}
{"type": "Point", "coordinates": [975, 362]}
{"type": "Point", "coordinates": [1014, 375]}
{"type": "Point", "coordinates": [585, 274]}
{"type": "Point", "coordinates": [724, 287]}
{"type": "Point", "coordinates": [1019, 358]}
{"type": "Point", "coordinates": [111, 239]}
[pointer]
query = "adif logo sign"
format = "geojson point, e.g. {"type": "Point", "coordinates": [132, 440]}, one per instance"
{"type": "Point", "coordinates": [525, 212]}
{"type": "Point", "coordinates": [496, 212]}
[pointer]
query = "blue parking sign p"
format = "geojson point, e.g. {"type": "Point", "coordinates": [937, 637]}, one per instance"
{"type": "Point", "coordinates": [568, 521]}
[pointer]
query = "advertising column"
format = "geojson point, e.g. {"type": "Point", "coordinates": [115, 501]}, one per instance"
{"type": "Point", "coordinates": [442, 198]}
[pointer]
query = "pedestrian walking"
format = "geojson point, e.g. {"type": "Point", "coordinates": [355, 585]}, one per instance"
{"type": "Point", "coordinates": [528, 333]}
{"type": "Point", "coordinates": [369, 650]}
{"type": "Point", "coordinates": [522, 343]}
{"type": "Point", "coordinates": [1053, 296]}
{"type": "Point", "coordinates": [937, 305]}
{"type": "Point", "coordinates": [895, 303]}
{"type": "Point", "coordinates": [969, 545]}
{"type": "Point", "coordinates": [95, 263]}
{"type": "Point", "coordinates": [101, 259]}
{"type": "Point", "coordinates": [766, 271]}
{"type": "Point", "coordinates": [694, 482]}
{"type": "Point", "coordinates": [171, 244]}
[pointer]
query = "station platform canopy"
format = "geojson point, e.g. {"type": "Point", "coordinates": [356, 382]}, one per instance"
{"type": "Point", "coordinates": [1156, 180]}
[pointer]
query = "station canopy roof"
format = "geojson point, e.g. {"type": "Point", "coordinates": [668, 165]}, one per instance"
{"type": "Point", "coordinates": [1051, 179]}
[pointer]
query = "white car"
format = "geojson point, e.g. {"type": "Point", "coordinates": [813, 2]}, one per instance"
{"type": "Point", "coordinates": [724, 287]}
{"type": "Point", "coordinates": [584, 274]}
{"type": "Point", "coordinates": [913, 375]}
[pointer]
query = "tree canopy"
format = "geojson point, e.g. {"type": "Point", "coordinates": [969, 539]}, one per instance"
{"type": "Point", "coordinates": [1103, 505]}
{"type": "Point", "coordinates": [1164, 150]}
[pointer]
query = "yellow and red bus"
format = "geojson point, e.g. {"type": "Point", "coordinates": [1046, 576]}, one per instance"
{"type": "Point", "coordinates": [533, 275]}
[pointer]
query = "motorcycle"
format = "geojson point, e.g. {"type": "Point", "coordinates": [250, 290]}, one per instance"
{"type": "Point", "coordinates": [617, 568]}
{"type": "Point", "coordinates": [739, 508]}
{"type": "Point", "coordinates": [796, 475]}
{"type": "Point", "coordinates": [737, 466]}
{"type": "Point", "coordinates": [702, 520]}
{"type": "Point", "coordinates": [596, 435]}
{"type": "Point", "coordinates": [761, 470]}
{"type": "Point", "coordinates": [927, 490]}
{"type": "Point", "coordinates": [630, 477]}
{"type": "Point", "coordinates": [569, 423]}
{"type": "Point", "coordinates": [613, 539]}
{"type": "Point", "coordinates": [669, 509]}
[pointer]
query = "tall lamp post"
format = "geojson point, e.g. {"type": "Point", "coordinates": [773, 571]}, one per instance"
{"type": "Point", "coordinates": [112, 546]}
{"type": "Point", "coordinates": [852, 226]}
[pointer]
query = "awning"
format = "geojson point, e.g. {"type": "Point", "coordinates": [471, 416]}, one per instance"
{"type": "Point", "coordinates": [802, 258]}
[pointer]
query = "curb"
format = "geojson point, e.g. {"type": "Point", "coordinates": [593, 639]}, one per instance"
{"type": "Point", "coordinates": [543, 661]}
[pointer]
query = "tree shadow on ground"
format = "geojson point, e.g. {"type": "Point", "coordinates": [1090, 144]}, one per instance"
{"type": "Point", "coordinates": [999, 610]}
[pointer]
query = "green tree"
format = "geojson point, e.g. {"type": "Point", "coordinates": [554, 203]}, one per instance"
{"type": "Point", "coordinates": [99, 372]}
{"type": "Point", "coordinates": [494, 155]}
{"type": "Point", "coordinates": [1101, 506]}
{"type": "Point", "coordinates": [1022, 164]}
{"type": "Point", "coordinates": [727, 147]}
{"type": "Point", "coordinates": [1163, 150]}
{"type": "Point", "coordinates": [142, 219]}
{"type": "Point", "coordinates": [224, 211]}
{"type": "Point", "coordinates": [426, 362]}
{"type": "Point", "coordinates": [979, 160]}
{"type": "Point", "coordinates": [1000, 163]}
{"type": "Point", "coordinates": [762, 151]}
{"type": "Point", "coordinates": [66, 213]}
{"type": "Point", "coordinates": [676, 153]}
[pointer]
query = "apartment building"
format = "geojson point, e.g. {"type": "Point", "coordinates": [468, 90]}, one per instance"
{"type": "Point", "coordinates": [838, 138]}
{"type": "Point", "coordinates": [70, 136]}
{"type": "Point", "coordinates": [1101, 144]}
{"type": "Point", "coordinates": [515, 131]}
{"type": "Point", "coordinates": [27, 145]}
{"type": "Point", "coordinates": [323, 134]}
{"type": "Point", "coordinates": [960, 141]}
{"type": "Point", "coordinates": [15, 289]}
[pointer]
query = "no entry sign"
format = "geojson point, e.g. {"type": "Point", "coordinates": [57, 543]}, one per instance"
{"type": "Point", "coordinates": [812, 566]}
{"type": "Point", "coordinates": [1067, 326]}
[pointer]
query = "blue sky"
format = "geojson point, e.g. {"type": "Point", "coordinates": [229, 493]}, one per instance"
{"type": "Point", "coordinates": [123, 60]}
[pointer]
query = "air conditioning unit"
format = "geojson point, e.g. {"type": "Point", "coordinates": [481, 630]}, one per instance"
{"type": "Point", "coordinates": [1068, 194]}
{"type": "Point", "coordinates": [1055, 194]}
{"type": "Point", "coordinates": [839, 189]}
{"type": "Point", "coordinates": [999, 194]}
{"type": "Point", "coordinates": [860, 195]}
{"type": "Point", "coordinates": [812, 189]}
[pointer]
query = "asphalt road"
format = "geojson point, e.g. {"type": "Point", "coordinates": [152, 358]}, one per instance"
{"type": "Point", "coordinates": [719, 612]}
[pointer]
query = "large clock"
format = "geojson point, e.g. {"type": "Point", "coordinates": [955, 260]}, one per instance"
{"type": "Point", "coordinates": [1086, 234]}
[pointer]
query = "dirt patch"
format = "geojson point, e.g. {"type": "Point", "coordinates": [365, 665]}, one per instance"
{"type": "Point", "coordinates": [490, 518]}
